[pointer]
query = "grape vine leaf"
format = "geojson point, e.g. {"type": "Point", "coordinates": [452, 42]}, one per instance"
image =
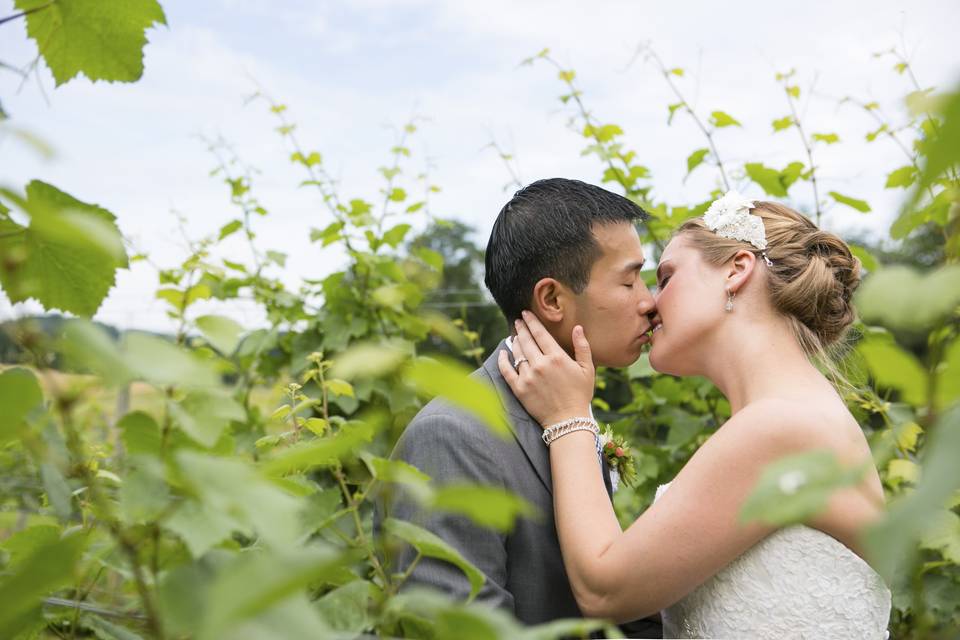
{"type": "Point", "coordinates": [102, 39]}
{"type": "Point", "coordinates": [68, 255]}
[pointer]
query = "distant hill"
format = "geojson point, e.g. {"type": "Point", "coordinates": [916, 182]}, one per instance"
{"type": "Point", "coordinates": [39, 330]}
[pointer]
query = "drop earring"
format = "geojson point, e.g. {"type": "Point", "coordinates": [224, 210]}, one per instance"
{"type": "Point", "coordinates": [729, 306]}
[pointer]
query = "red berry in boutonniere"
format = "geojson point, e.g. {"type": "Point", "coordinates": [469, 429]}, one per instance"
{"type": "Point", "coordinates": [619, 456]}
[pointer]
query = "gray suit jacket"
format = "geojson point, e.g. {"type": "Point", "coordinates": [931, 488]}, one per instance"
{"type": "Point", "coordinates": [524, 568]}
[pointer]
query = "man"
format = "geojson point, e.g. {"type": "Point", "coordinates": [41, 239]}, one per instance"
{"type": "Point", "coordinates": [568, 252]}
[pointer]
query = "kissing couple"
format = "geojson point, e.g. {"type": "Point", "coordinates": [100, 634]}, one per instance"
{"type": "Point", "coordinates": [750, 296]}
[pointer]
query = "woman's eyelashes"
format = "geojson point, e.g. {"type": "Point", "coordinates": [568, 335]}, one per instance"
{"type": "Point", "coordinates": [663, 282]}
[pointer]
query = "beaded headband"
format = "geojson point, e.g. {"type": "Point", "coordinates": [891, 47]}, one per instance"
{"type": "Point", "coordinates": [729, 217]}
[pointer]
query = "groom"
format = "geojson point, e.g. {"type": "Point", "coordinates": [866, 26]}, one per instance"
{"type": "Point", "coordinates": [569, 252]}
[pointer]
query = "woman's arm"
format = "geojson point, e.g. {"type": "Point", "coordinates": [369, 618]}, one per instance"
{"type": "Point", "coordinates": [684, 538]}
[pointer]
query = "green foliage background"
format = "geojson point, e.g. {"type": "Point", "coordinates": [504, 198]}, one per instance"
{"type": "Point", "coordinates": [220, 483]}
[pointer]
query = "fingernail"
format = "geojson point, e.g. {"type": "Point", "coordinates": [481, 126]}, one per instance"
{"type": "Point", "coordinates": [524, 313]}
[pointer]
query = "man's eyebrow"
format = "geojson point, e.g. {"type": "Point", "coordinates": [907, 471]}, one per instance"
{"type": "Point", "coordinates": [636, 265]}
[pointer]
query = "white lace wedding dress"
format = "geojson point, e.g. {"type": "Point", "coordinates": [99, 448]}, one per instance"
{"type": "Point", "coordinates": [796, 583]}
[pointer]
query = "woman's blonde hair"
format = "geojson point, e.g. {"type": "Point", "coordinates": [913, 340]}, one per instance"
{"type": "Point", "coordinates": [812, 279]}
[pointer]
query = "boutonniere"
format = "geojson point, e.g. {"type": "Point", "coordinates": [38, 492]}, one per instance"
{"type": "Point", "coordinates": [619, 456]}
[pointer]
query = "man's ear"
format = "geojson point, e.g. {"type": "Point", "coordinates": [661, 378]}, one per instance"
{"type": "Point", "coordinates": [549, 300]}
{"type": "Point", "coordinates": [740, 269]}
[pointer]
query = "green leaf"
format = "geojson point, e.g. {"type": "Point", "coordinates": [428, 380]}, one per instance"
{"type": "Point", "coordinates": [138, 356]}
{"type": "Point", "coordinates": [322, 452]}
{"type": "Point", "coordinates": [163, 363]}
{"type": "Point", "coordinates": [38, 575]}
{"type": "Point", "coordinates": [347, 609]}
{"type": "Point", "coordinates": [144, 493]}
{"type": "Point", "coordinates": [677, 71]}
{"type": "Point", "coordinates": [19, 395]}
{"type": "Point", "coordinates": [683, 426]}
{"type": "Point", "coordinates": [937, 210]}
{"type": "Point", "coordinates": [231, 489]}
{"type": "Point", "coordinates": [396, 471]}
{"type": "Point", "coordinates": [902, 177]}
{"type": "Point", "coordinates": [828, 138]}
{"type": "Point", "coordinates": [58, 491]}
{"type": "Point", "coordinates": [859, 205]}
{"type": "Point", "coordinates": [793, 91]}
{"type": "Point", "coordinates": [948, 376]}
{"type": "Point", "coordinates": [277, 257]}
{"type": "Point", "coordinates": [101, 40]}
{"type": "Point", "coordinates": [892, 542]}
{"type": "Point", "coordinates": [673, 111]}
{"type": "Point", "coordinates": [432, 546]}
{"type": "Point", "coordinates": [607, 132]}
{"type": "Point", "coordinates": [867, 259]}
{"type": "Point", "coordinates": [943, 535]}
{"type": "Point", "coordinates": [943, 149]}
{"type": "Point", "coordinates": [230, 228]}
{"type": "Point", "coordinates": [200, 527]}
{"type": "Point", "coordinates": [721, 119]}
{"type": "Point", "coordinates": [892, 367]}
{"type": "Point", "coordinates": [567, 76]}
{"type": "Point", "coordinates": [24, 543]}
{"type": "Point", "coordinates": [491, 507]}
{"type": "Point", "coordinates": [339, 387]}
{"type": "Point", "coordinates": [370, 360]}
{"type": "Point", "coordinates": [902, 299]}
{"type": "Point", "coordinates": [696, 159]}
{"type": "Point", "coordinates": [767, 178]}
{"type": "Point", "coordinates": [257, 581]}
{"type": "Point", "coordinates": [782, 123]}
{"type": "Point", "coordinates": [105, 630]}
{"type": "Point", "coordinates": [204, 414]}
{"type": "Point", "coordinates": [68, 255]}
{"type": "Point", "coordinates": [395, 236]}
{"type": "Point", "coordinates": [791, 173]}
{"type": "Point", "coordinates": [140, 434]}
{"type": "Point", "coordinates": [452, 380]}
{"type": "Point", "coordinates": [329, 235]}
{"type": "Point", "coordinates": [430, 257]}
{"type": "Point", "coordinates": [397, 195]}
{"type": "Point", "coordinates": [797, 487]}
{"type": "Point", "coordinates": [222, 332]}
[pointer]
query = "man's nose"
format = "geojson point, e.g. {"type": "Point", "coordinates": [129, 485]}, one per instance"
{"type": "Point", "coordinates": [647, 305]}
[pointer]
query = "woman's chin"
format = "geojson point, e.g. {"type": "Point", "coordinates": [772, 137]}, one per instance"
{"type": "Point", "coordinates": [659, 359]}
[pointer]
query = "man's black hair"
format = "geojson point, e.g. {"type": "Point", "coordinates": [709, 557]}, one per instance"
{"type": "Point", "coordinates": [546, 230]}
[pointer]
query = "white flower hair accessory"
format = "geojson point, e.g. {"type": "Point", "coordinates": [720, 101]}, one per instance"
{"type": "Point", "coordinates": [729, 217]}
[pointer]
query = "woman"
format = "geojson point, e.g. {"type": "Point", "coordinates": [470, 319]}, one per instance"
{"type": "Point", "coordinates": [748, 296]}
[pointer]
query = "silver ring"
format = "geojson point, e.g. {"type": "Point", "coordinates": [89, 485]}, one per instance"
{"type": "Point", "coordinates": [516, 365]}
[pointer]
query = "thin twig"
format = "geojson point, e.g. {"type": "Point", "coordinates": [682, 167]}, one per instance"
{"type": "Point", "coordinates": [806, 146]}
{"type": "Point", "coordinates": [686, 107]}
{"type": "Point", "coordinates": [91, 608]}
{"type": "Point", "coordinates": [25, 13]}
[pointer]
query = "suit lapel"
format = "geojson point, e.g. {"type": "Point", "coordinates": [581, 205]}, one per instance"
{"type": "Point", "coordinates": [525, 429]}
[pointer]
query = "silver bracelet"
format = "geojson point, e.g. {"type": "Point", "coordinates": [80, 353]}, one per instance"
{"type": "Point", "coordinates": [566, 427]}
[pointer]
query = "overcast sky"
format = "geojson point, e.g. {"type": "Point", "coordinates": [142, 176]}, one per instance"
{"type": "Point", "coordinates": [353, 72]}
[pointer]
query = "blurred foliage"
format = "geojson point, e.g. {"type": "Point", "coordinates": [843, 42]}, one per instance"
{"type": "Point", "coordinates": [219, 482]}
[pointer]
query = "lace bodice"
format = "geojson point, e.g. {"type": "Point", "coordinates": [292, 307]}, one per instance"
{"type": "Point", "coordinates": [796, 583]}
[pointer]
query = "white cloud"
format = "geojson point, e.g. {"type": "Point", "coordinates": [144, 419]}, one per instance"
{"type": "Point", "coordinates": [346, 70]}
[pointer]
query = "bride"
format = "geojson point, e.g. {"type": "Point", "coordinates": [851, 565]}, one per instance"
{"type": "Point", "coordinates": [747, 296]}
